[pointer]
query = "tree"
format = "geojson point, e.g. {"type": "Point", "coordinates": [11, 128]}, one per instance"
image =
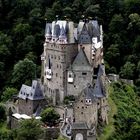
{"type": "Point", "coordinates": [50, 116]}
{"type": "Point", "coordinates": [127, 71]}
{"type": "Point", "coordinates": [24, 72]}
{"type": "Point", "coordinates": [117, 23]}
{"type": "Point", "coordinates": [2, 113]}
{"type": "Point", "coordinates": [136, 46]}
{"type": "Point", "coordinates": [8, 93]}
{"type": "Point", "coordinates": [138, 69]}
{"type": "Point", "coordinates": [28, 130]}
{"type": "Point", "coordinates": [112, 56]}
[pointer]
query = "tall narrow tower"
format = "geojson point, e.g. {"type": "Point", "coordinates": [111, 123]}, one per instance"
{"type": "Point", "coordinates": [59, 53]}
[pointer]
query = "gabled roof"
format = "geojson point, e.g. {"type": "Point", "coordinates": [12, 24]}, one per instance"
{"type": "Point", "coordinates": [32, 93]}
{"type": "Point", "coordinates": [24, 91]}
{"type": "Point", "coordinates": [81, 62]}
{"type": "Point", "coordinates": [36, 91]}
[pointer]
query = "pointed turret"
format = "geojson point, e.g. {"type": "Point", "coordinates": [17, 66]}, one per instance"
{"type": "Point", "coordinates": [62, 37]}
{"type": "Point", "coordinates": [48, 34]}
{"type": "Point", "coordinates": [55, 33]}
{"type": "Point", "coordinates": [98, 89]}
{"type": "Point", "coordinates": [84, 37]}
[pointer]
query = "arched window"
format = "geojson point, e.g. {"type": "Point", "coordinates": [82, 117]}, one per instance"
{"type": "Point", "coordinates": [79, 136]}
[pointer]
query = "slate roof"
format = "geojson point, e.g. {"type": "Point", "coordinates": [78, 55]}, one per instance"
{"type": "Point", "coordinates": [79, 125]}
{"type": "Point", "coordinates": [48, 31]}
{"type": "Point", "coordinates": [32, 93]}
{"type": "Point", "coordinates": [96, 29]}
{"type": "Point", "coordinates": [81, 62]}
{"type": "Point", "coordinates": [101, 70]}
{"type": "Point", "coordinates": [89, 93]}
{"type": "Point", "coordinates": [62, 33]}
{"type": "Point", "coordinates": [56, 31]}
{"type": "Point", "coordinates": [47, 26]}
{"type": "Point", "coordinates": [84, 37]}
{"type": "Point", "coordinates": [98, 90]}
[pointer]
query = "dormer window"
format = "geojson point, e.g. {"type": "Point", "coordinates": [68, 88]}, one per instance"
{"type": "Point", "coordinates": [88, 102]}
{"type": "Point", "coordinates": [70, 77]}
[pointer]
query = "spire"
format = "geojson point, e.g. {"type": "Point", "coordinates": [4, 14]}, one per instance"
{"type": "Point", "coordinates": [62, 33]}
{"type": "Point", "coordinates": [101, 70]}
{"type": "Point", "coordinates": [56, 31]}
{"type": "Point", "coordinates": [48, 32]}
{"type": "Point", "coordinates": [98, 91]}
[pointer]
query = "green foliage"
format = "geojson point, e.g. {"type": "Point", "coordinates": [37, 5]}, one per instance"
{"type": "Point", "coordinates": [2, 113]}
{"type": "Point", "coordinates": [28, 130]}
{"type": "Point", "coordinates": [50, 116]}
{"type": "Point", "coordinates": [127, 71]}
{"type": "Point", "coordinates": [69, 99]}
{"type": "Point", "coordinates": [8, 93]}
{"type": "Point", "coordinates": [127, 119]}
{"type": "Point", "coordinates": [24, 71]}
{"type": "Point", "coordinates": [5, 134]}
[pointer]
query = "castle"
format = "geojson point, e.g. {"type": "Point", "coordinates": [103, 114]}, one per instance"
{"type": "Point", "coordinates": [72, 64]}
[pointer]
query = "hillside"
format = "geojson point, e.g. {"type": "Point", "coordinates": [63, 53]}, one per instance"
{"type": "Point", "coordinates": [124, 116]}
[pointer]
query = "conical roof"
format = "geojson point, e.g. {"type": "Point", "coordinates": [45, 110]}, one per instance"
{"type": "Point", "coordinates": [56, 31]}
{"type": "Point", "coordinates": [48, 32]}
{"type": "Point", "coordinates": [98, 89]}
{"type": "Point", "coordinates": [62, 33]}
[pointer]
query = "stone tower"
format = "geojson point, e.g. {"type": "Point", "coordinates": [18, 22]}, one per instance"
{"type": "Point", "coordinates": [59, 53]}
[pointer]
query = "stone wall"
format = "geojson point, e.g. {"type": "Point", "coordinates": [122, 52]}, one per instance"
{"type": "Point", "coordinates": [83, 112]}
{"type": "Point", "coordinates": [29, 107]}
{"type": "Point", "coordinates": [81, 79]}
{"type": "Point", "coordinates": [61, 56]}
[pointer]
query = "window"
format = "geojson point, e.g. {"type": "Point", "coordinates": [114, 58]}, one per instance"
{"type": "Point", "coordinates": [56, 74]}
{"type": "Point", "coordinates": [82, 107]}
{"type": "Point", "coordinates": [81, 112]}
{"type": "Point", "coordinates": [84, 73]}
{"type": "Point", "coordinates": [70, 75]}
{"type": "Point", "coordinates": [81, 101]}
